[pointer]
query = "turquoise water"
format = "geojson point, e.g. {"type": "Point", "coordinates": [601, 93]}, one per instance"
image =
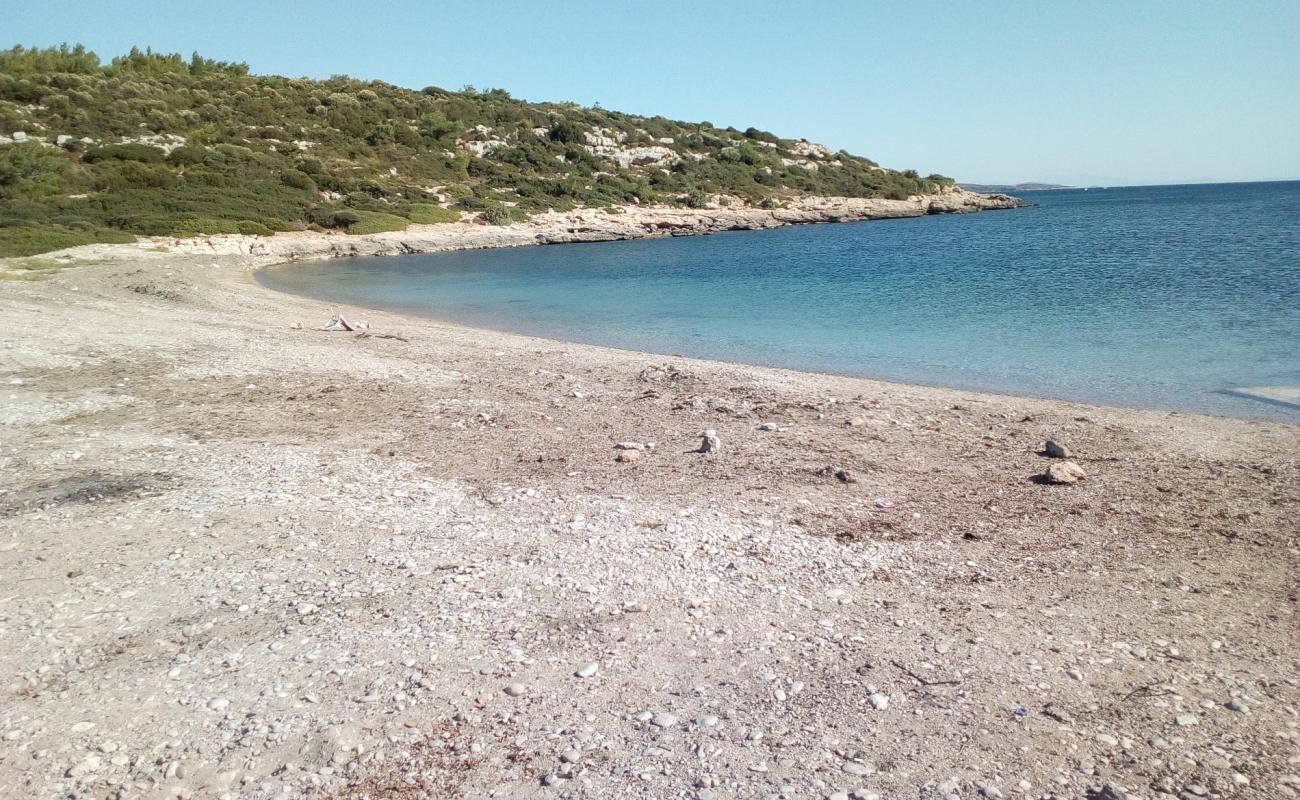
{"type": "Point", "coordinates": [1156, 297]}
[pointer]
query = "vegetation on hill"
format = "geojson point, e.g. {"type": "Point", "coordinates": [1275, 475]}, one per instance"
{"type": "Point", "coordinates": [156, 144]}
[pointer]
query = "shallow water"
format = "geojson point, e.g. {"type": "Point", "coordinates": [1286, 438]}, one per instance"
{"type": "Point", "coordinates": [1155, 297]}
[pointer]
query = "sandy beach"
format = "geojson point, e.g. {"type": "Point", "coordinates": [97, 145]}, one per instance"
{"type": "Point", "coordinates": [241, 558]}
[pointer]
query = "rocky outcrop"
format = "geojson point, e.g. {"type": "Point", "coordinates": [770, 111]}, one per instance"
{"type": "Point", "coordinates": [583, 225]}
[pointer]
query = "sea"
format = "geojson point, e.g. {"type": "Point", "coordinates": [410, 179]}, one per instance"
{"type": "Point", "coordinates": [1160, 297]}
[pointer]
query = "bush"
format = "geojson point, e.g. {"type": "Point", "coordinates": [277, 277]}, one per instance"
{"type": "Point", "coordinates": [28, 240]}
{"type": "Point", "coordinates": [29, 170]}
{"type": "Point", "coordinates": [430, 214]}
{"type": "Point", "coordinates": [298, 179]}
{"type": "Point", "coordinates": [124, 152]}
{"type": "Point", "coordinates": [498, 215]}
{"type": "Point", "coordinates": [376, 222]}
{"type": "Point", "coordinates": [204, 226]}
{"type": "Point", "coordinates": [185, 156]}
{"type": "Point", "coordinates": [696, 199]}
{"type": "Point", "coordinates": [568, 132]}
{"type": "Point", "coordinates": [250, 228]}
{"type": "Point", "coordinates": [276, 224]}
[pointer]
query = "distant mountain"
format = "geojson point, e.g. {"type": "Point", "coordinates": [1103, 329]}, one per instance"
{"type": "Point", "coordinates": [1007, 188]}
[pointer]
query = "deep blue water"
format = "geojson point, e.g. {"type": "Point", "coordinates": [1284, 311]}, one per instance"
{"type": "Point", "coordinates": [1157, 297]}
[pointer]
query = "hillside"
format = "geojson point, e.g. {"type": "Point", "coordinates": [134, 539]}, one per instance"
{"type": "Point", "coordinates": [153, 144]}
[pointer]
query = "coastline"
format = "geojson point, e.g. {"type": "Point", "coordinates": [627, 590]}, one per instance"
{"type": "Point", "coordinates": [259, 559]}
{"type": "Point", "coordinates": [582, 225]}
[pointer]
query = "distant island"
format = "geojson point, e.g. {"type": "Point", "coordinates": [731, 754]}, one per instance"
{"type": "Point", "coordinates": [158, 144]}
{"type": "Point", "coordinates": [999, 188]}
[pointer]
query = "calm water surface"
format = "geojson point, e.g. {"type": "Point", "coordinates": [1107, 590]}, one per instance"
{"type": "Point", "coordinates": [1157, 297]}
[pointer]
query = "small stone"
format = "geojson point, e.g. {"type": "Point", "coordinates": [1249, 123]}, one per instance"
{"type": "Point", "coordinates": [86, 765]}
{"type": "Point", "coordinates": [1185, 720]}
{"type": "Point", "coordinates": [879, 701]}
{"type": "Point", "coordinates": [629, 446]}
{"type": "Point", "coordinates": [855, 422]}
{"type": "Point", "coordinates": [768, 426]}
{"type": "Point", "coordinates": [218, 704]}
{"type": "Point", "coordinates": [710, 443]}
{"type": "Point", "coordinates": [838, 796]}
{"type": "Point", "coordinates": [570, 757]}
{"type": "Point", "coordinates": [82, 727]}
{"type": "Point", "coordinates": [857, 768]}
{"type": "Point", "coordinates": [587, 670]}
{"type": "Point", "coordinates": [1236, 705]}
{"type": "Point", "coordinates": [844, 476]}
{"type": "Point", "coordinates": [1064, 473]}
{"type": "Point", "coordinates": [628, 456]}
{"type": "Point", "coordinates": [1055, 449]}
{"type": "Point", "coordinates": [991, 791]}
{"type": "Point", "coordinates": [514, 689]}
{"type": "Point", "coordinates": [663, 720]}
{"type": "Point", "coordinates": [550, 779]}
{"type": "Point", "coordinates": [1107, 739]}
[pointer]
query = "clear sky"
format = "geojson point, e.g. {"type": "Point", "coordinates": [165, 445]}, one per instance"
{"type": "Point", "coordinates": [1088, 92]}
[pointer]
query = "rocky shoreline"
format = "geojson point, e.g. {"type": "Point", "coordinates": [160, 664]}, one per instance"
{"type": "Point", "coordinates": [583, 225]}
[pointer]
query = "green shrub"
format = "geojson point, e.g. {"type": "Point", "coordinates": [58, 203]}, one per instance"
{"type": "Point", "coordinates": [298, 180]}
{"type": "Point", "coordinates": [124, 152]}
{"type": "Point", "coordinates": [430, 214]}
{"type": "Point", "coordinates": [204, 226]}
{"type": "Point", "coordinates": [696, 199]}
{"type": "Point", "coordinates": [498, 215]}
{"type": "Point", "coordinates": [276, 224]}
{"type": "Point", "coordinates": [29, 170]}
{"type": "Point", "coordinates": [27, 240]}
{"type": "Point", "coordinates": [185, 156]}
{"type": "Point", "coordinates": [251, 228]}
{"type": "Point", "coordinates": [376, 222]}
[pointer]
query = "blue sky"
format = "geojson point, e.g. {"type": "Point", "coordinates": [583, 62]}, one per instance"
{"type": "Point", "coordinates": [1096, 93]}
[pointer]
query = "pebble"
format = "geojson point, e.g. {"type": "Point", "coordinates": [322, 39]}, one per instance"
{"type": "Point", "coordinates": [570, 756]}
{"type": "Point", "coordinates": [514, 689]}
{"type": "Point", "coordinates": [86, 765]}
{"type": "Point", "coordinates": [218, 704]}
{"type": "Point", "coordinates": [628, 456]}
{"type": "Point", "coordinates": [1236, 705]}
{"type": "Point", "coordinates": [1066, 472]}
{"type": "Point", "coordinates": [857, 768]}
{"type": "Point", "coordinates": [82, 727]}
{"type": "Point", "coordinates": [1185, 720]}
{"type": "Point", "coordinates": [1107, 739]}
{"type": "Point", "coordinates": [879, 701]}
{"type": "Point", "coordinates": [1055, 449]}
{"type": "Point", "coordinates": [767, 426]}
{"type": "Point", "coordinates": [663, 720]}
{"type": "Point", "coordinates": [587, 670]}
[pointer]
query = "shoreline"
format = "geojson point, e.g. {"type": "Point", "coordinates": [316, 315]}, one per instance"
{"type": "Point", "coordinates": [581, 225]}
{"type": "Point", "coordinates": [263, 561]}
{"type": "Point", "coordinates": [1278, 398]}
